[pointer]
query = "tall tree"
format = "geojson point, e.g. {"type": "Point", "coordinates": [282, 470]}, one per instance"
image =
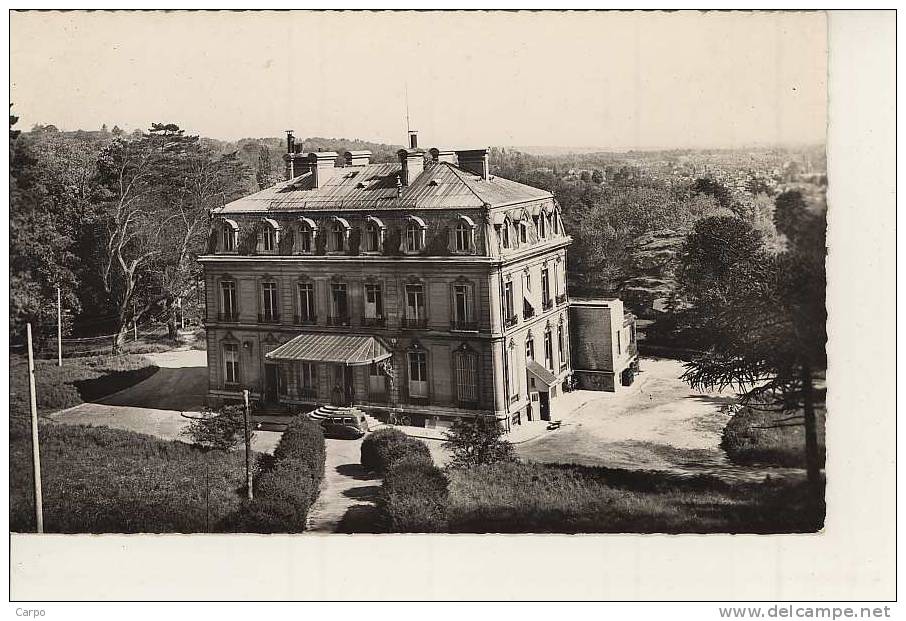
{"type": "Point", "coordinates": [766, 334]}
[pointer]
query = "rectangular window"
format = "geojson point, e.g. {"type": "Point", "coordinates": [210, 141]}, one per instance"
{"type": "Point", "coordinates": [509, 305]}
{"type": "Point", "coordinates": [560, 347]}
{"type": "Point", "coordinates": [373, 239]}
{"type": "Point", "coordinates": [415, 305]}
{"type": "Point", "coordinates": [523, 232]}
{"type": "Point", "coordinates": [548, 351]}
{"type": "Point", "coordinates": [231, 363]}
{"type": "Point", "coordinates": [229, 239]}
{"type": "Point", "coordinates": [463, 237]}
{"type": "Point", "coordinates": [339, 303]}
{"type": "Point", "coordinates": [374, 301]}
{"type": "Point", "coordinates": [512, 382]}
{"type": "Point", "coordinates": [228, 300]}
{"type": "Point", "coordinates": [307, 302]}
{"type": "Point", "coordinates": [505, 234]}
{"type": "Point", "coordinates": [418, 374]}
{"type": "Point", "coordinates": [269, 301]}
{"type": "Point", "coordinates": [466, 365]}
{"type": "Point", "coordinates": [306, 375]}
{"type": "Point", "coordinates": [619, 344]}
{"type": "Point", "coordinates": [269, 239]}
{"type": "Point", "coordinates": [377, 384]}
{"type": "Point", "coordinates": [545, 287]}
{"type": "Point", "coordinates": [305, 239]}
{"type": "Point", "coordinates": [530, 349]}
{"type": "Point", "coordinates": [462, 305]}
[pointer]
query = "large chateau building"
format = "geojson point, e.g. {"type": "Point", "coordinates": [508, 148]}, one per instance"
{"type": "Point", "coordinates": [425, 287]}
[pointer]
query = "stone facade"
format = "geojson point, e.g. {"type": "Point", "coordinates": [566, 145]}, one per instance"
{"type": "Point", "coordinates": [604, 347]}
{"type": "Point", "coordinates": [466, 266]}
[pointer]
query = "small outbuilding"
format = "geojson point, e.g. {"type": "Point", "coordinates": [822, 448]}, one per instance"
{"type": "Point", "coordinates": [604, 352]}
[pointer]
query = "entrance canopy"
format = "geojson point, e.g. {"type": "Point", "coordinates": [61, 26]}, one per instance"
{"type": "Point", "coordinates": [540, 373]}
{"type": "Point", "coordinates": [348, 349]}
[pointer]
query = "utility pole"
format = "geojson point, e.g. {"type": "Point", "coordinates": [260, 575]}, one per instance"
{"type": "Point", "coordinates": [59, 329]}
{"type": "Point", "coordinates": [248, 448]}
{"type": "Point", "coordinates": [35, 451]}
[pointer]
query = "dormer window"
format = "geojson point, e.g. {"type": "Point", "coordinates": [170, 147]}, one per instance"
{"type": "Point", "coordinates": [542, 225]}
{"type": "Point", "coordinates": [505, 233]}
{"type": "Point", "coordinates": [523, 232]}
{"type": "Point", "coordinates": [374, 235]}
{"type": "Point", "coordinates": [339, 235]}
{"type": "Point", "coordinates": [464, 236]}
{"type": "Point", "coordinates": [415, 235]}
{"type": "Point", "coordinates": [268, 236]}
{"type": "Point", "coordinates": [305, 240]}
{"type": "Point", "coordinates": [555, 217]}
{"type": "Point", "coordinates": [229, 235]}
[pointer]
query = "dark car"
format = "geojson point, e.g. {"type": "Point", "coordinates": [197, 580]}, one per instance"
{"type": "Point", "coordinates": [344, 426]}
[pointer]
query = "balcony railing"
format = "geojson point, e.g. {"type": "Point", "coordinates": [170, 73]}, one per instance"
{"type": "Point", "coordinates": [415, 322]}
{"type": "Point", "coordinates": [528, 313]}
{"type": "Point", "coordinates": [547, 304]}
{"type": "Point", "coordinates": [561, 299]}
{"type": "Point", "coordinates": [268, 318]}
{"type": "Point", "coordinates": [467, 405]}
{"type": "Point", "coordinates": [464, 325]}
{"type": "Point", "coordinates": [511, 321]}
{"type": "Point", "coordinates": [305, 321]}
{"type": "Point", "coordinates": [342, 320]}
{"type": "Point", "coordinates": [374, 322]}
{"type": "Point", "coordinates": [231, 316]}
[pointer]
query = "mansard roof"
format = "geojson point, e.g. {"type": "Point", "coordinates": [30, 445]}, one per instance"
{"type": "Point", "coordinates": [374, 187]}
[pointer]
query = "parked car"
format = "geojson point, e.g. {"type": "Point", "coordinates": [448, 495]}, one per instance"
{"type": "Point", "coordinates": [344, 426]}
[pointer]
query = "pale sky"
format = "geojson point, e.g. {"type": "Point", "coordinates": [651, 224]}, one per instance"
{"type": "Point", "coordinates": [609, 80]}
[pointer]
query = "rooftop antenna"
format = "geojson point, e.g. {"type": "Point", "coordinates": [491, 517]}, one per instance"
{"type": "Point", "coordinates": [408, 128]}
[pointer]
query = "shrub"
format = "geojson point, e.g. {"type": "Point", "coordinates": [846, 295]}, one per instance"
{"type": "Point", "coordinates": [222, 429]}
{"type": "Point", "coordinates": [262, 515]}
{"type": "Point", "coordinates": [476, 442]}
{"type": "Point", "coordinates": [414, 496]}
{"type": "Point", "coordinates": [384, 447]}
{"type": "Point", "coordinates": [290, 481]}
{"type": "Point", "coordinates": [303, 439]}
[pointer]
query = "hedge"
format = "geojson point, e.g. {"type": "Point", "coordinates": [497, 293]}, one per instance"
{"type": "Point", "coordinates": [304, 439]}
{"type": "Point", "coordinates": [384, 447]}
{"type": "Point", "coordinates": [414, 497]}
{"type": "Point", "coordinates": [288, 484]}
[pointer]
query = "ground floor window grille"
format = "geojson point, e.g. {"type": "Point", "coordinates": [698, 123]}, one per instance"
{"type": "Point", "coordinates": [466, 365]}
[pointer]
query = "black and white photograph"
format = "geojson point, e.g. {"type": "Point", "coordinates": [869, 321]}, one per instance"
{"type": "Point", "coordinates": [350, 274]}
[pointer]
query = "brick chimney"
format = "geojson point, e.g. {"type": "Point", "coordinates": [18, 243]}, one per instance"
{"type": "Point", "coordinates": [413, 138]}
{"type": "Point", "coordinates": [412, 162]}
{"type": "Point", "coordinates": [323, 166]}
{"type": "Point", "coordinates": [475, 161]}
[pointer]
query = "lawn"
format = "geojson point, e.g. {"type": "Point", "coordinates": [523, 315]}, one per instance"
{"type": "Point", "coordinates": [102, 480]}
{"type": "Point", "coordinates": [77, 381]}
{"type": "Point", "coordinates": [547, 498]}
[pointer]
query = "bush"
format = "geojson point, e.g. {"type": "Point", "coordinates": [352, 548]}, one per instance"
{"type": "Point", "coordinates": [291, 481]}
{"type": "Point", "coordinates": [222, 429]}
{"type": "Point", "coordinates": [478, 441]}
{"type": "Point", "coordinates": [414, 496]}
{"type": "Point", "coordinates": [303, 439]}
{"type": "Point", "coordinates": [262, 515]}
{"type": "Point", "coordinates": [384, 447]}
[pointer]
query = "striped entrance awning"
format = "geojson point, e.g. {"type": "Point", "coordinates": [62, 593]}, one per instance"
{"type": "Point", "coordinates": [349, 349]}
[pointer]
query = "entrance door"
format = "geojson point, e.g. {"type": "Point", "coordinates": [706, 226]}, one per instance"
{"type": "Point", "coordinates": [271, 382]}
{"type": "Point", "coordinates": [341, 391]}
{"type": "Point", "coordinates": [544, 405]}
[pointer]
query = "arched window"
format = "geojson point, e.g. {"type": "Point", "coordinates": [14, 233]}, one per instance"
{"type": "Point", "coordinates": [339, 235]}
{"type": "Point", "coordinates": [464, 235]}
{"type": "Point", "coordinates": [268, 236]}
{"type": "Point", "coordinates": [305, 240]}
{"type": "Point", "coordinates": [512, 377]}
{"type": "Point", "coordinates": [529, 346]}
{"type": "Point", "coordinates": [548, 349]}
{"type": "Point", "coordinates": [415, 234]}
{"type": "Point", "coordinates": [229, 235]}
{"type": "Point", "coordinates": [556, 221]}
{"type": "Point", "coordinates": [374, 235]}
{"type": "Point", "coordinates": [465, 366]}
{"type": "Point", "coordinates": [542, 225]}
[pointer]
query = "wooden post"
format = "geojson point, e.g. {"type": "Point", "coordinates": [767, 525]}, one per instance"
{"type": "Point", "coordinates": [35, 450]}
{"type": "Point", "coordinates": [248, 448]}
{"type": "Point", "coordinates": [59, 329]}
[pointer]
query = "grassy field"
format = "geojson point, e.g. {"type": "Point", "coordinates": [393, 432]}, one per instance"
{"type": "Point", "coordinates": [536, 498]}
{"type": "Point", "coordinates": [77, 381]}
{"type": "Point", "coordinates": [754, 436]}
{"type": "Point", "coordinates": [101, 480]}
